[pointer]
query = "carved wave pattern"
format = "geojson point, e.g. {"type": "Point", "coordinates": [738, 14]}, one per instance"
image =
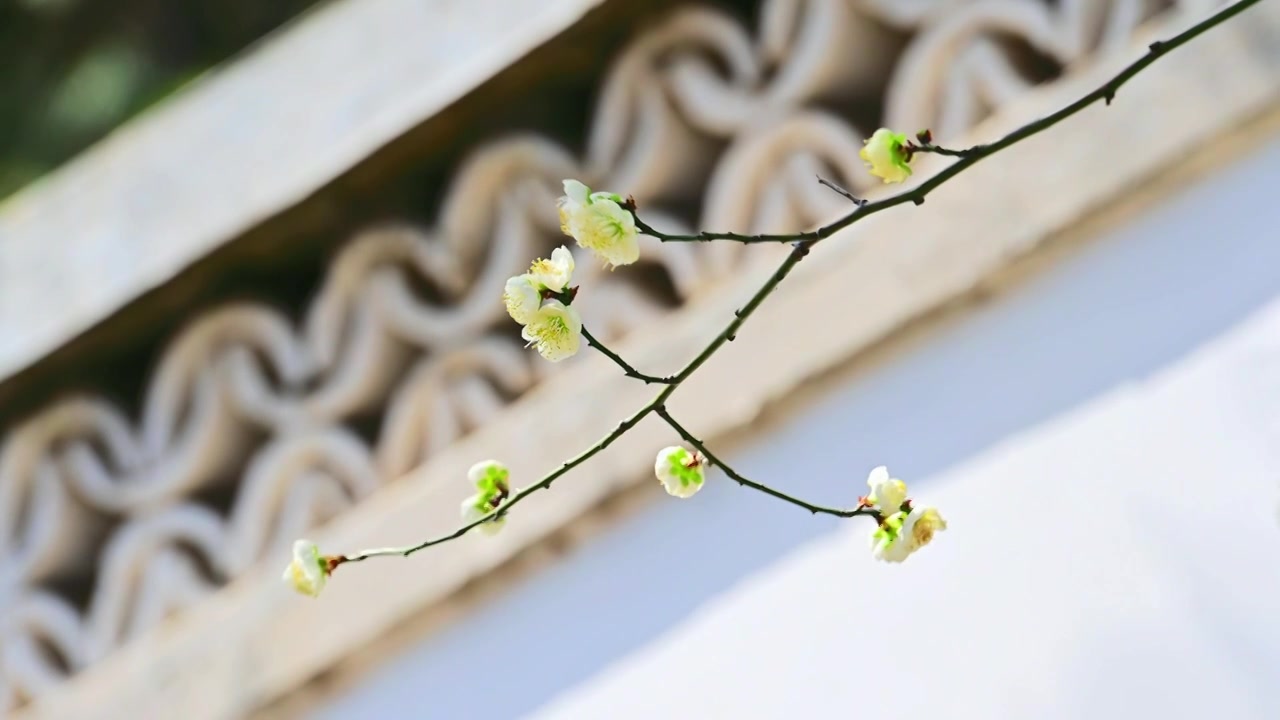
{"type": "Point", "coordinates": [696, 106]}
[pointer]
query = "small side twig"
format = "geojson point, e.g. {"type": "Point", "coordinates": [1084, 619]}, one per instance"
{"type": "Point", "coordinates": [949, 152]}
{"type": "Point", "coordinates": [737, 477]}
{"type": "Point", "coordinates": [971, 156]}
{"type": "Point", "coordinates": [842, 192]}
{"type": "Point", "coordinates": [630, 371]}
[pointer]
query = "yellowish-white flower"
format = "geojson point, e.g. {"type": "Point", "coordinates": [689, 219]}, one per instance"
{"type": "Point", "coordinates": [522, 298]}
{"type": "Point", "coordinates": [902, 533]}
{"type": "Point", "coordinates": [922, 524]}
{"type": "Point", "coordinates": [309, 570]}
{"type": "Point", "coordinates": [887, 493]}
{"type": "Point", "coordinates": [886, 156]}
{"type": "Point", "coordinates": [555, 273]}
{"type": "Point", "coordinates": [491, 479]}
{"type": "Point", "coordinates": [598, 222]}
{"type": "Point", "coordinates": [476, 507]}
{"type": "Point", "coordinates": [680, 471]}
{"type": "Point", "coordinates": [556, 330]}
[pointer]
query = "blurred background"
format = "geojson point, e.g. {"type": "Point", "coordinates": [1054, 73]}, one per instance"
{"type": "Point", "coordinates": [250, 267]}
{"type": "Point", "coordinates": [74, 71]}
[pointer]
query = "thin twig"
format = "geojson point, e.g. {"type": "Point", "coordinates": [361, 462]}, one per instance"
{"type": "Point", "coordinates": [630, 371]}
{"type": "Point", "coordinates": [971, 156]}
{"type": "Point", "coordinates": [939, 150]}
{"type": "Point", "coordinates": [740, 317]}
{"type": "Point", "coordinates": [842, 192]}
{"type": "Point", "coordinates": [520, 495]}
{"type": "Point", "coordinates": [737, 477]}
{"type": "Point", "coordinates": [802, 242]}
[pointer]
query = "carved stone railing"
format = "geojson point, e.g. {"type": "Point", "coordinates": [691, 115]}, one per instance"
{"type": "Point", "coordinates": [105, 526]}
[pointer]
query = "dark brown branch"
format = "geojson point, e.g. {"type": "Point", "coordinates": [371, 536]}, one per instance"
{"type": "Point", "coordinates": [630, 371]}
{"type": "Point", "coordinates": [971, 156]}
{"type": "Point", "coordinates": [737, 477]}
{"type": "Point", "coordinates": [802, 242]}
{"type": "Point", "coordinates": [842, 192]}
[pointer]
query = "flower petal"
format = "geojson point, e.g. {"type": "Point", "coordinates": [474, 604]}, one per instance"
{"type": "Point", "coordinates": [576, 191]}
{"type": "Point", "coordinates": [521, 298]}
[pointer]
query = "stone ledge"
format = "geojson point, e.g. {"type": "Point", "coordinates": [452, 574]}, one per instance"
{"type": "Point", "coordinates": [254, 641]}
{"type": "Point", "coordinates": [247, 141]}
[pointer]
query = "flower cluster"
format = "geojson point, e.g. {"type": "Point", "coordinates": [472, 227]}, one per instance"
{"type": "Point", "coordinates": [903, 529]}
{"type": "Point", "coordinates": [309, 570]}
{"type": "Point", "coordinates": [680, 471]}
{"type": "Point", "coordinates": [490, 478]}
{"type": "Point", "coordinates": [539, 300]}
{"type": "Point", "coordinates": [600, 223]}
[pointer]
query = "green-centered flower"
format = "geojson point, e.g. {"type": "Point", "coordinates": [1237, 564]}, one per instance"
{"type": "Point", "coordinates": [598, 222]}
{"type": "Point", "coordinates": [556, 330]}
{"type": "Point", "coordinates": [886, 156]}
{"type": "Point", "coordinates": [680, 471]}
{"type": "Point", "coordinates": [308, 570]}
{"type": "Point", "coordinates": [490, 477]}
{"type": "Point", "coordinates": [902, 533]}
{"type": "Point", "coordinates": [476, 507]}
{"type": "Point", "coordinates": [491, 480]}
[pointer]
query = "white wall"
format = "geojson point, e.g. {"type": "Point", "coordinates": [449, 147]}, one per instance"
{"type": "Point", "coordinates": [1104, 444]}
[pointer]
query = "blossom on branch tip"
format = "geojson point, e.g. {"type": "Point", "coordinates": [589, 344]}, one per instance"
{"type": "Point", "coordinates": [556, 330]}
{"type": "Point", "coordinates": [887, 493]}
{"type": "Point", "coordinates": [491, 480]}
{"type": "Point", "coordinates": [476, 507]}
{"type": "Point", "coordinates": [308, 570]}
{"type": "Point", "coordinates": [598, 222]}
{"type": "Point", "coordinates": [886, 155]}
{"type": "Point", "coordinates": [680, 471]}
{"type": "Point", "coordinates": [923, 524]}
{"type": "Point", "coordinates": [902, 533]}
{"type": "Point", "coordinates": [553, 274]}
{"type": "Point", "coordinates": [522, 298]}
{"type": "Point", "coordinates": [490, 476]}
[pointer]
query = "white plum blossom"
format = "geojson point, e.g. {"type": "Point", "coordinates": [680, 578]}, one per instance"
{"type": "Point", "coordinates": [680, 471]}
{"type": "Point", "coordinates": [886, 156]}
{"type": "Point", "coordinates": [556, 330]}
{"type": "Point", "coordinates": [523, 294]}
{"type": "Point", "coordinates": [902, 533]}
{"type": "Point", "coordinates": [598, 222]}
{"type": "Point", "coordinates": [887, 493]}
{"type": "Point", "coordinates": [308, 570]}
{"type": "Point", "coordinates": [553, 274]}
{"type": "Point", "coordinates": [522, 298]}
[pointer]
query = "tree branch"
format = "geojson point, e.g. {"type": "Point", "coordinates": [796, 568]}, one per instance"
{"type": "Point", "coordinates": [734, 475]}
{"type": "Point", "coordinates": [972, 156]}
{"type": "Point", "coordinates": [802, 242]}
{"type": "Point", "coordinates": [519, 495]}
{"type": "Point", "coordinates": [939, 150]}
{"type": "Point", "coordinates": [630, 371]}
{"type": "Point", "coordinates": [842, 192]}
